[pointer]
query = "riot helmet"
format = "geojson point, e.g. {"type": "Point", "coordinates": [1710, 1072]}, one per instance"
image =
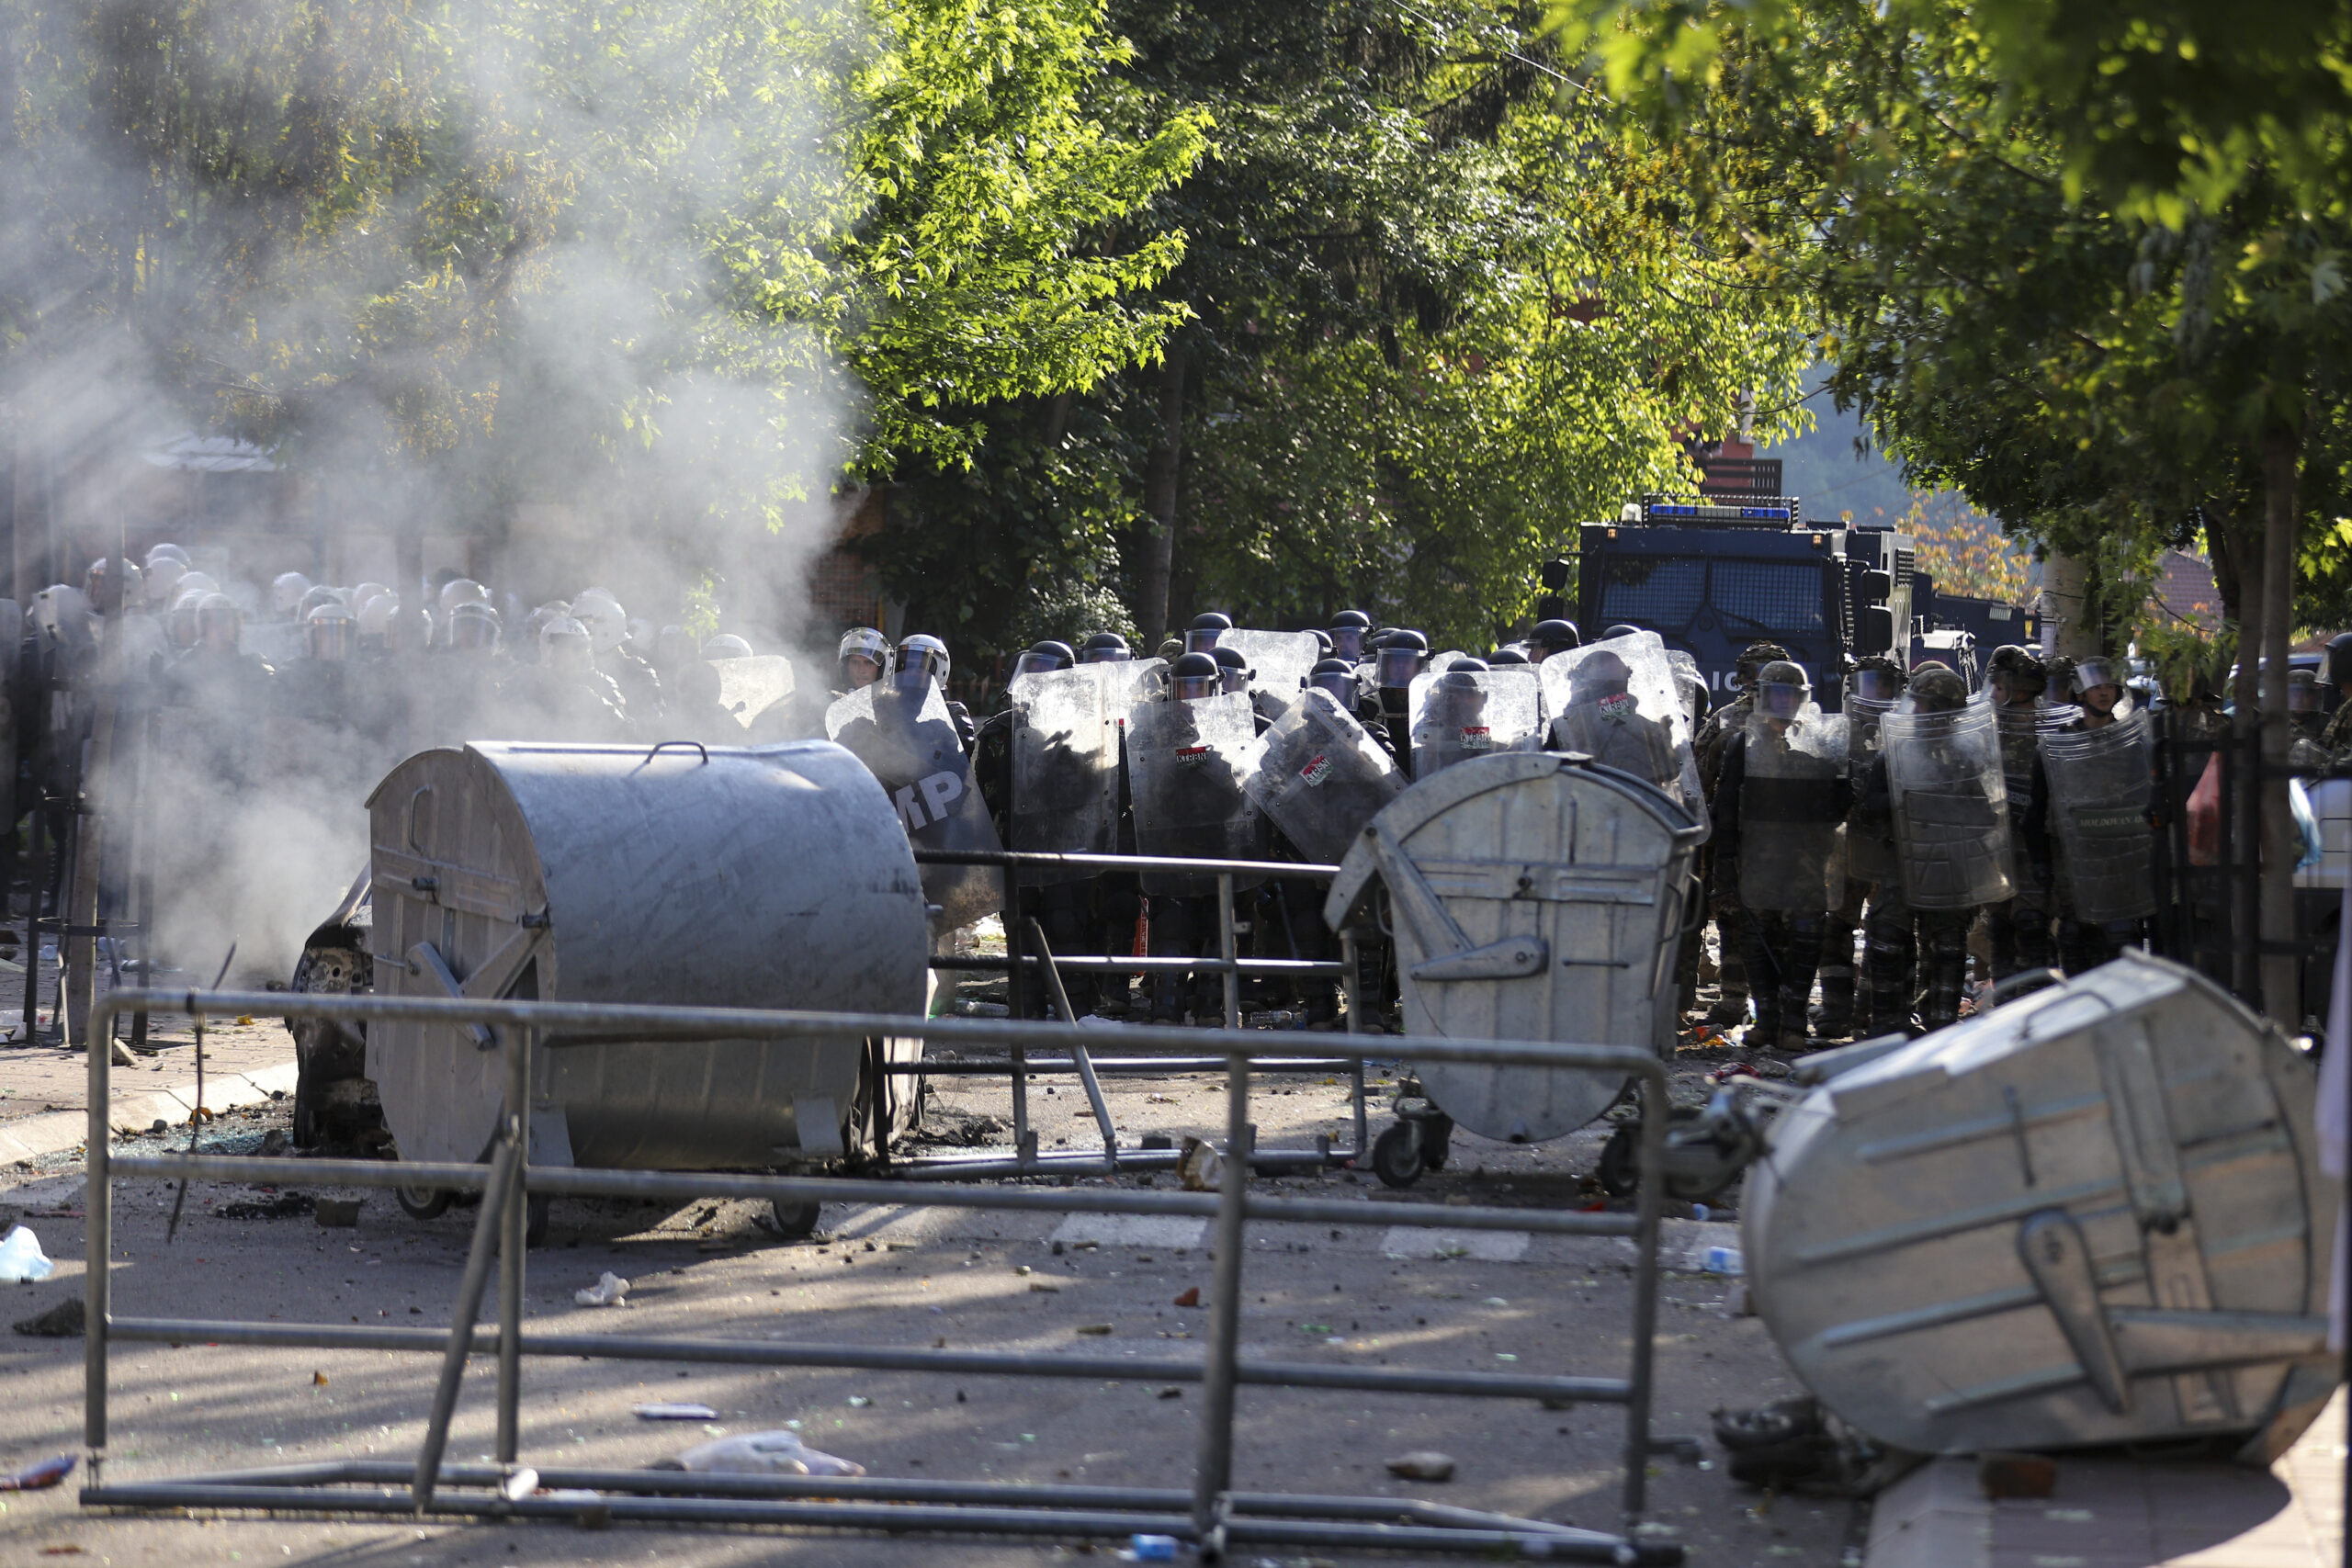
{"type": "Point", "coordinates": [2302, 692]}
{"type": "Point", "coordinates": [1753, 659]}
{"type": "Point", "coordinates": [1781, 689]}
{"type": "Point", "coordinates": [922, 660]}
{"type": "Point", "coordinates": [1503, 657]}
{"type": "Point", "coordinates": [2095, 676]}
{"type": "Point", "coordinates": [863, 657]}
{"type": "Point", "coordinates": [473, 628]}
{"type": "Point", "coordinates": [1234, 669]}
{"type": "Point", "coordinates": [180, 624]}
{"type": "Point", "coordinates": [319, 594]}
{"type": "Point", "coordinates": [330, 632]}
{"type": "Point", "coordinates": [563, 645]}
{"type": "Point", "coordinates": [285, 592]}
{"type": "Point", "coordinates": [2336, 665]}
{"type": "Point", "coordinates": [1322, 643]}
{"type": "Point", "coordinates": [1550, 638]}
{"type": "Point", "coordinates": [607, 623]}
{"type": "Point", "coordinates": [219, 623]}
{"type": "Point", "coordinates": [725, 644]}
{"type": "Point", "coordinates": [2016, 676]}
{"type": "Point", "coordinates": [1206, 627]}
{"type": "Point", "coordinates": [1105, 648]}
{"type": "Point", "coordinates": [1338, 678]}
{"type": "Point", "coordinates": [1401, 657]}
{"type": "Point", "coordinates": [1193, 676]}
{"type": "Point", "coordinates": [62, 612]}
{"type": "Point", "coordinates": [1040, 658]}
{"type": "Point", "coordinates": [1349, 630]}
{"type": "Point", "coordinates": [1621, 629]}
{"type": "Point", "coordinates": [1599, 676]}
{"type": "Point", "coordinates": [1938, 688]}
{"type": "Point", "coordinates": [198, 583]}
{"type": "Point", "coordinates": [1463, 699]}
{"type": "Point", "coordinates": [167, 550]}
{"type": "Point", "coordinates": [1876, 679]}
{"type": "Point", "coordinates": [163, 587]}
{"type": "Point", "coordinates": [94, 583]}
{"type": "Point", "coordinates": [363, 591]}
{"type": "Point", "coordinates": [460, 590]}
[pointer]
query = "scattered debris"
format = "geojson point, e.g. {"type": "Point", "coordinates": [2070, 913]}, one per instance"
{"type": "Point", "coordinates": [757, 1453]}
{"type": "Point", "coordinates": [1199, 1167]}
{"type": "Point", "coordinates": [39, 1477]}
{"type": "Point", "coordinates": [1172, 1392]}
{"type": "Point", "coordinates": [63, 1321]}
{"type": "Point", "coordinates": [1425, 1464]}
{"type": "Point", "coordinates": [338, 1213]}
{"type": "Point", "coordinates": [1096, 1329]}
{"type": "Point", "coordinates": [520, 1484]}
{"type": "Point", "coordinates": [21, 1257]}
{"type": "Point", "coordinates": [610, 1290]}
{"type": "Point", "coordinates": [273, 1143]}
{"type": "Point", "coordinates": [318, 1380]}
{"type": "Point", "coordinates": [285, 1206]}
{"type": "Point", "coordinates": [1191, 1297]}
{"type": "Point", "coordinates": [1044, 1288]}
{"type": "Point", "coordinates": [674, 1412]}
{"type": "Point", "coordinates": [1150, 1548]}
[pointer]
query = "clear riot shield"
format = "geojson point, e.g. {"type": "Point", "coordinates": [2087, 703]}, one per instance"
{"type": "Point", "coordinates": [1184, 762]}
{"type": "Point", "coordinates": [1132, 680]}
{"type": "Point", "coordinates": [1463, 714]}
{"type": "Point", "coordinates": [1788, 809]}
{"type": "Point", "coordinates": [1617, 702]}
{"type": "Point", "coordinates": [1066, 766]}
{"type": "Point", "coordinates": [1319, 777]}
{"type": "Point", "coordinates": [1952, 816]}
{"type": "Point", "coordinates": [2098, 803]}
{"type": "Point", "coordinates": [1281, 660]}
{"type": "Point", "coordinates": [748, 687]}
{"type": "Point", "coordinates": [1868, 858]}
{"type": "Point", "coordinates": [2020, 729]}
{"type": "Point", "coordinates": [913, 749]}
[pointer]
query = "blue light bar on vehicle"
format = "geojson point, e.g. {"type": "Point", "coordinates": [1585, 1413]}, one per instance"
{"type": "Point", "coordinates": [1774, 511]}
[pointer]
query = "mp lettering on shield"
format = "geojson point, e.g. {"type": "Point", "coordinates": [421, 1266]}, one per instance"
{"type": "Point", "coordinates": [940, 792]}
{"type": "Point", "coordinates": [1317, 769]}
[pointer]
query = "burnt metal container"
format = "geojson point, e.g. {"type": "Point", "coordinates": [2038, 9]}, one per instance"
{"type": "Point", "coordinates": [768, 877]}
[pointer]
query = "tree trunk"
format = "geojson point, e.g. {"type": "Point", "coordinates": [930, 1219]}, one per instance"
{"type": "Point", "coordinates": [1160, 491]}
{"type": "Point", "coordinates": [2281, 477]}
{"type": "Point", "coordinates": [2068, 624]}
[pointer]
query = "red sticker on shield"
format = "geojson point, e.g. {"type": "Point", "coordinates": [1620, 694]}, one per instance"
{"type": "Point", "coordinates": [1317, 769]}
{"type": "Point", "coordinates": [1476, 738]}
{"type": "Point", "coordinates": [1191, 756]}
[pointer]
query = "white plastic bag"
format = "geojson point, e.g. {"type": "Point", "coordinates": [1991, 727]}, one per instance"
{"type": "Point", "coordinates": [21, 1257]}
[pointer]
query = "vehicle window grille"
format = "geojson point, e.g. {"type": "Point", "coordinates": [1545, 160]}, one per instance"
{"type": "Point", "coordinates": [1768, 595]}
{"type": "Point", "coordinates": [1661, 594]}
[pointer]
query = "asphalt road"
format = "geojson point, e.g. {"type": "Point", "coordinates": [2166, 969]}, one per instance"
{"type": "Point", "coordinates": [901, 1276]}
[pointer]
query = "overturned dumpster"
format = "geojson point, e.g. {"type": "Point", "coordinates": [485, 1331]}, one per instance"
{"type": "Point", "coordinates": [2092, 1216]}
{"type": "Point", "coordinates": [774, 877]}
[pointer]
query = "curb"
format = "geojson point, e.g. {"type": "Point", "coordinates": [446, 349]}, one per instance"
{"type": "Point", "coordinates": [32, 1136]}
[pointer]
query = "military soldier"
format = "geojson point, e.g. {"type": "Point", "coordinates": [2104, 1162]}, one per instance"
{"type": "Point", "coordinates": [2019, 928]}
{"type": "Point", "coordinates": [1719, 871]}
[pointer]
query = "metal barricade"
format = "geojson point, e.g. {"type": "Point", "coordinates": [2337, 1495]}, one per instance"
{"type": "Point", "coordinates": [1213, 1515]}
{"type": "Point", "coordinates": [1028, 957]}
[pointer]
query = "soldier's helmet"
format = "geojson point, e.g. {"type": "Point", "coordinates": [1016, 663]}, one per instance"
{"type": "Point", "coordinates": [1938, 688]}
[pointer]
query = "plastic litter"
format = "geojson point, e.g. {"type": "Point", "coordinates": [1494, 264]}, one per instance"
{"type": "Point", "coordinates": [761, 1454]}
{"type": "Point", "coordinates": [39, 1477]}
{"type": "Point", "coordinates": [21, 1257]}
{"type": "Point", "coordinates": [674, 1412]}
{"type": "Point", "coordinates": [1723, 1261]}
{"type": "Point", "coordinates": [1151, 1548]}
{"type": "Point", "coordinates": [610, 1290]}
{"type": "Point", "coordinates": [1425, 1464]}
{"type": "Point", "coordinates": [520, 1484]}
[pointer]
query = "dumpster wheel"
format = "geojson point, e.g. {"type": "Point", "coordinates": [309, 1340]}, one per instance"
{"type": "Point", "coordinates": [794, 1220]}
{"type": "Point", "coordinates": [424, 1202]}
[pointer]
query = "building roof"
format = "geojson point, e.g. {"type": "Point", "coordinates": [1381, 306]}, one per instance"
{"type": "Point", "coordinates": [2183, 586]}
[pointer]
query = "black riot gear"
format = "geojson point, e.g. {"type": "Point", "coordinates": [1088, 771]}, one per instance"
{"type": "Point", "coordinates": [1235, 669]}
{"type": "Point", "coordinates": [1349, 631]}
{"type": "Point", "coordinates": [1206, 627]}
{"type": "Point", "coordinates": [1337, 677]}
{"type": "Point", "coordinates": [1551, 637]}
{"type": "Point", "coordinates": [1045, 656]}
{"type": "Point", "coordinates": [1193, 676]}
{"type": "Point", "coordinates": [1105, 648]}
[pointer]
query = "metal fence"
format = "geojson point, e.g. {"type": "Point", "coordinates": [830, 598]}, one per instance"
{"type": "Point", "coordinates": [1212, 1514]}
{"type": "Point", "coordinates": [1031, 966]}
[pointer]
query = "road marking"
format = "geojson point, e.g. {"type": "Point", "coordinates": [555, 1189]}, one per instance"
{"type": "Point", "coordinates": [1132, 1230]}
{"type": "Point", "coordinates": [1486, 1246]}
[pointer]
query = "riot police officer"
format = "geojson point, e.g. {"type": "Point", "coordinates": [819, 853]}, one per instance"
{"type": "Point", "coordinates": [1550, 638]}
{"type": "Point", "coordinates": [1397, 657]}
{"type": "Point", "coordinates": [2018, 929]}
{"type": "Point", "coordinates": [1872, 687]}
{"type": "Point", "coordinates": [1350, 630]}
{"type": "Point", "coordinates": [1105, 648]}
{"type": "Point", "coordinates": [1206, 627]}
{"type": "Point", "coordinates": [1721, 872]}
{"type": "Point", "coordinates": [862, 659]}
{"type": "Point", "coordinates": [1777, 803]}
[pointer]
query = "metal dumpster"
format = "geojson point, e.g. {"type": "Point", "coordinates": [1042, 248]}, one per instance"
{"type": "Point", "coordinates": [2094, 1215]}
{"type": "Point", "coordinates": [769, 878]}
{"type": "Point", "coordinates": [1534, 896]}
